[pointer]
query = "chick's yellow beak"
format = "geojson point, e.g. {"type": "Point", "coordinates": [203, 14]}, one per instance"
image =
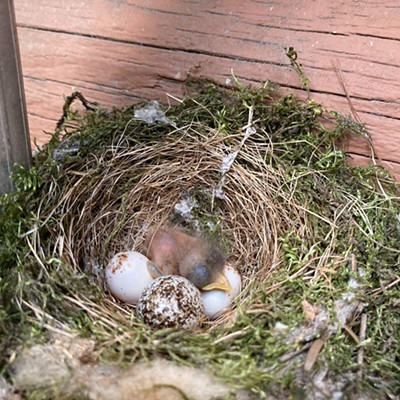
{"type": "Point", "coordinates": [221, 282]}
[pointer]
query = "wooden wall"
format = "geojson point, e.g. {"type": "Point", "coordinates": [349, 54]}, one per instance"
{"type": "Point", "coordinates": [118, 51]}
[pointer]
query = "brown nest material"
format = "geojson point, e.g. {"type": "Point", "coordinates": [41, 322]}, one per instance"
{"type": "Point", "coordinates": [110, 206]}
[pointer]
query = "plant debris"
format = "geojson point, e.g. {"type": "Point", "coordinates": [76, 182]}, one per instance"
{"type": "Point", "coordinates": [315, 240]}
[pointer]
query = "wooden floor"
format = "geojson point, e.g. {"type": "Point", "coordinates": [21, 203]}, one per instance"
{"type": "Point", "coordinates": [118, 51]}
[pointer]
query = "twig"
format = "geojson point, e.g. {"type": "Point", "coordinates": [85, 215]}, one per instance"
{"type": "Point", "coordinates": [174, 98]}
{"type": "Point", "coordinates": [374, 154]}
{"type": "Point", "coordinates": [232, 335]}
{"type": "Point", "coordinates": [68, 102]}
{"type": "Point", "coordinates": [314, 351]}
{"type": "Point", "coordinates": [292, 55]}
{"type": "Point", "coordinates": [293, 354]}
{"type": "Point", "coordinates": [353, 263]}
{"type": "Point", "coordinates": [362, 336]}
{"type": "Point", "coordinates": [257, 311]}
{"type": "Point", "coordinates": [381, 290]}
{"type": "Point", "coordinates": [343, 84]}
{"type": "Point", "coordinates": [351, 333]}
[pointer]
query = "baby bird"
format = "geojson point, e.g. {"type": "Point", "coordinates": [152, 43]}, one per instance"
{"type": "Point", "coordinates": [175, 252]}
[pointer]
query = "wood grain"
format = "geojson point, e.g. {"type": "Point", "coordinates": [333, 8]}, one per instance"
{"type": "Point", "coordinates": [119, 51]}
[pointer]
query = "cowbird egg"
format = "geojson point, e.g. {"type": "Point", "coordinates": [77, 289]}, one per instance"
{"type": "Point", "coordinates": [216, 301]}
{"type": "Point", "coordinates": [171, 301]}
{"type": "Point", "coordinates": [127, 275]}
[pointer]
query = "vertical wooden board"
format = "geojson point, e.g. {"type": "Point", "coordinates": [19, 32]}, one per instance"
{"type": "Point", "coordinates": [14, 134]}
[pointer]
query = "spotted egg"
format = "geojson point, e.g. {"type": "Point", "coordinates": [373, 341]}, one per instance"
{"type": "Point", "coordinates": [171, 301]}
{"type": "Point", "coordinates": [215, 301]}
{"type": "Point", "coordinates": [127, 275]}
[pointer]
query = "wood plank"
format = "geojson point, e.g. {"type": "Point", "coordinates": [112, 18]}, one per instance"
{"type": "Point", "coordinates": [119, 51]}
{"type": "Point", "coordinates": [14, 136]}
{"type": "Point", "coordinates": [122, 79]}
{"type": "Point", "coordinates": [247, 34]}
{"type": "Point", "coordinates": [125, 18]}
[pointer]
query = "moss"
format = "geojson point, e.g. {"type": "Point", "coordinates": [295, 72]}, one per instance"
{"type": "Point", "coordinates": [340, 210]}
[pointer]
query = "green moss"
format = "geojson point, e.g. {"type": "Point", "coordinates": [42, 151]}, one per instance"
{"type": "Point", "coordinates": [364, 213]}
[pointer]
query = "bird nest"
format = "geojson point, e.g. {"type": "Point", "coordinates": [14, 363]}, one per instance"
{"type": "Point", "coordinates": [260, 173]}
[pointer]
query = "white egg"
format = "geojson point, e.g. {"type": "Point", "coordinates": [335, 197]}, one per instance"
{"type": "Point", "coordinates": [216, 301]}
{"type": "Point", "coordinates": [127, 275]}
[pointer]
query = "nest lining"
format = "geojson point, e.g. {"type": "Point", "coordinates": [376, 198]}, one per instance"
{"type": "Point", "coordinates": [291, 216]}
{"type": "Point", "coordinates": [183, 165]}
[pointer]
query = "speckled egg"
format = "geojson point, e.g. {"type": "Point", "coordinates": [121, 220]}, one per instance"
{"type": "Point", "coordinates": [215, 301]}
{"type": "Point", "coordinates": [127, 275]}
{"type": "Point", "coordinates": [171, 301]}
